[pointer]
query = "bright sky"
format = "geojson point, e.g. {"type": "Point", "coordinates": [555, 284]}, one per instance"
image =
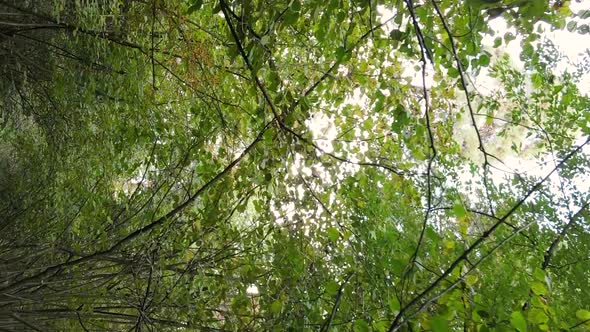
{"type": "Point", "coordinates": [571, 45]}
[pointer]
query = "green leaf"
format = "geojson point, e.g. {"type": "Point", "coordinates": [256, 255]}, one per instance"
{"type": "Point", "coordinates": [340, 54]}
{"type": "Point", "coordinates": [394, 304]}
{"type": "Point", "coordinates": [396, 34]}
{"type": "Point", "coordinates": [527, 51]}
{"type": "Point", "coordinates": [400, 119]}
{"type": "Point", "coordinates": [497, 42]}
{"type": "Point", "coordinates": [582, 314]}
{"type": "Point", "coordinates": [439, 324]}
{"type": "Point", "coordinates": [538, 288]}
{"type": "Point", "coordinates": [483, 314]}
{"type": "Point", "coordinates": [398, 266]}
{"type": "Point", "coordinates": [449, 244]}
{"type": "Point", "coordinates": [537, 80]}
{"type": "Point", "coordinates": [459, 210]}
{"type": "Point", "coordinates": [361, 325]}
{"type": "Point", "coordinates": [276, 307]}
{"type": "Point", "coordinates": [197, 4]}
{"type": "Point", "coordinates": [264, 40]}
{"type": "Point", "coordinates": [537, 316]}
{"type": "Point", "coordinates": [478, 4]}
{"type": "Point", "coordinates": [534, 9]}
{"type": "Point", "coordinates": [267, 177]}
{"type": "Point", "coordinates": [518, 322]}
{"type": "Point", "coordinates": [290, 17]}
{"type": "Point", "coordinates": [333, 234]}
{"type": "Point", "coordinates": [295, 6]}
{"type": "Point", "coordinates": [380, 326]}
{"type": "Point", "coordinates": [332, 288]}
{"type": "Point", "coordinates": [484, 60]}
{"type": "Point", "coordinates": [471, 280]}
{"type": "Point", "coordinates": [571, 26]}
{"type": "Point", "coordinates": [453, 72]}
{"type": "Point", "coordinates": [508, 37]}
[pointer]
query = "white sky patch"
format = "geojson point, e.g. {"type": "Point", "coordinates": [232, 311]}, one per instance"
{"type": "Point", "coordinates": [252, 290]}
{"type": "Point", "coordinates": [413, 70]}
{"type": "Point", "coordinates": [384, 15]}
{"type": "Point", "coordinates": [324, 131]}
{"type": "Point", "coordinates": [572, 45]}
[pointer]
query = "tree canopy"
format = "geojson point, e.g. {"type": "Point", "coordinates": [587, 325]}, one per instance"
{"type": "Point", "coordinates": [300, 165]}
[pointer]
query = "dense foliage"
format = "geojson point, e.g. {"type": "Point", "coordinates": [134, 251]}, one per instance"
{"type": "Point", "coordinates": [290, 166]}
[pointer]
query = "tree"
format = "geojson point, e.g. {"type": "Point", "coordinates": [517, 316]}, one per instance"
{"type": "Point", "coordinates": [272, 165]}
